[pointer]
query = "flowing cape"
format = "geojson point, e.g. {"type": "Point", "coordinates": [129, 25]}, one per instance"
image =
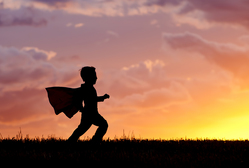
{"type": "Point", "coordinates": [62, 99]}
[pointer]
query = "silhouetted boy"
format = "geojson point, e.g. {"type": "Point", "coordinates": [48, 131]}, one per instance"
{"type": "Point", "coordinates": [69, 101]}
{"type": "Point", "coordinates": [90, 114]}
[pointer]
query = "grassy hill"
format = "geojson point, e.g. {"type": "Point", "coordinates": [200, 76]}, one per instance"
{"type": "Point", "coordinates": [126, 153]}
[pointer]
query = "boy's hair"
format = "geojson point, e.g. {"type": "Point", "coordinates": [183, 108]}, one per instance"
{"type": "Point", "coordinates": [86, 72]}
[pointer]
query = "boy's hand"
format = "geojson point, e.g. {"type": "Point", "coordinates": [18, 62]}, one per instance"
{"type": "Point", "coordinates": [102, 98]}
{"type": "Point", "coordinates": [106, 96]}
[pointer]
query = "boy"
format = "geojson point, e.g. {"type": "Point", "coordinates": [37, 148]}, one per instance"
{"type": "Point", "coordinates": [90, 114]}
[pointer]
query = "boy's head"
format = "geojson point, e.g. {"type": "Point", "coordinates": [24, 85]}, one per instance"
{"type": "Point", "coordinates": [88, 75]}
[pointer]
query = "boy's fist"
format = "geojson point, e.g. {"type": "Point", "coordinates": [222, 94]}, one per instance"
{"type": "Point", "coordinates": [106, 96]}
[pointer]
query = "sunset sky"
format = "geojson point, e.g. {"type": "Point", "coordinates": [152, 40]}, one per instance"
{"type": "Point", "coordinates": [173, 68]}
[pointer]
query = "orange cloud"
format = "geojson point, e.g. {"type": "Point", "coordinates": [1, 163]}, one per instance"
{"type": "Point", "coordinates": [78, 25]}
{"type": "Point", "coordinates": [163, 97]}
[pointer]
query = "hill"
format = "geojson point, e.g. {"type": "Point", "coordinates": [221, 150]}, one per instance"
{"type": "Point", "coordinates": [126, 153]}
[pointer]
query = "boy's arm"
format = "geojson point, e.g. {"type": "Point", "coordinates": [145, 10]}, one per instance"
{"type": "Point", "coordinates": [78, 98]}
{"type": "Point", "coordinates": [78, 105]}
{"type": "Point", "coordinates": [102, 98]}
{"type": "Point", "coordinates": [81, 109]}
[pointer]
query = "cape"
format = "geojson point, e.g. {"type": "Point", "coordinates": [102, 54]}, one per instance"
{"type": "Point", "coordinates": [62, 99]}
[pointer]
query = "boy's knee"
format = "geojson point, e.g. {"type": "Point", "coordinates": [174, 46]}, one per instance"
{"type": "Point", "coordinates": [105, 124]}
{"type": "Point", "coordinates": [80, 126]}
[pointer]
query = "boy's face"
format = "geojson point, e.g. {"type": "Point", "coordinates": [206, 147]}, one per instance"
{"type": "Point", "coordinates": [92, 78]}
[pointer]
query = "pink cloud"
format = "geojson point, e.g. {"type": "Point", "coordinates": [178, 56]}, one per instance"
{"type": "Point", "coordinates": [55, 3]}
{"type": "Point", "coordinates": [31, 67]}
{"type": "Point", "coordinates": [24, 16]}
{"type": "Point", "coordinates": [183, 11]}
{"type": "Point", "coordinates": [24, 74]}
{"type": "Point", "coordinates": [135, 78]}
{"type": "Point", "coordinates": [212, 11]}
{"type": "Point", "coordinates": [25, 68]}
{"type": "Point", "coordinates": [162, 2]}
{"type": "Point", "coordinates": [230, 57]}
{"type": "Point", "coordinates": [96, 8]}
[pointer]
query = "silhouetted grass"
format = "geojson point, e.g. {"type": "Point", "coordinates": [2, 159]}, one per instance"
{"type": "Point", "coordinates": [125, 152]}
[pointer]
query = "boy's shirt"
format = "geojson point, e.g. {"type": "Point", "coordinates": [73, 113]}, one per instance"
{"type": "Point", "coordinates": [89, 96]}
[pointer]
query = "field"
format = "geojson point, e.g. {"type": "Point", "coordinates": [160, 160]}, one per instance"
{"type": "Point", "coordinates": [125, 153]}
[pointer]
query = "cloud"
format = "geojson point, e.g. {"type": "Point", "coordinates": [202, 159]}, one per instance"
{"type": "Point", "coordinates": [24, 74]}
{"type": "Point", "coordinates": [55, 3]}
{"type": "Point", "coordinates": [96, 7]}
{"type": "Point", "coordinates": [200, 15]}
{"type": "Point", "coordinates": [158, 98]}
{"type": "Point", "coordinates": [23, 16]}
{"type": "Point", "coordinates": [78, 25]}
{"type": "Point", "coordinates": [39, 54]}
{"type": "Point", "coordinates": [148, 67]}
{"type": "Point", "coordinates": [244, 39]}
{"type": "Point", "coordinates": [221, 11]}
{"type": "Point", "coordinates": [207, 12]}
{"type": "Point", "coordinates": [69, 24]}
{"type": "Point", "coordinates": [112, 33]}
{"type": "Point", "coordinates": [32, 68]}
{"type": "Point", "coordinates": [230, 57]}
{"type": "Point", "coordinates": [162, 2]}
{"type": "Point", "coordinates": [136, 78]}
{"type": "Point", "coordinates": [23, 106]}
{"type": "Point", "coordinates": [154, 22]}
{"type": "Point", "coordinates": [88, 7]}
{"type": "Point", "coordinates": [24, 68]}
{"type": "Point", "coordinates": [142, 85]}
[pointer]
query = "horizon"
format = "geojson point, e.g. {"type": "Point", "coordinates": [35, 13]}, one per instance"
{"type": "Point", "coordinates": [130, 136]}
{"type": "Point", "coordinates": [172, 69]}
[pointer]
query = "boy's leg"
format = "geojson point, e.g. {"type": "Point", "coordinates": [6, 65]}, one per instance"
{"type": "Point", "coordinates": [82, 128]}
{"type": "Point", "coordinates": [102, 127]}
{"type": "Point", "coordinates": [85, 124]}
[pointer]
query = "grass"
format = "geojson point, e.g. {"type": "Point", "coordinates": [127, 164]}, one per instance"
{"type": "Point", "coordinates": [125, 152]}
